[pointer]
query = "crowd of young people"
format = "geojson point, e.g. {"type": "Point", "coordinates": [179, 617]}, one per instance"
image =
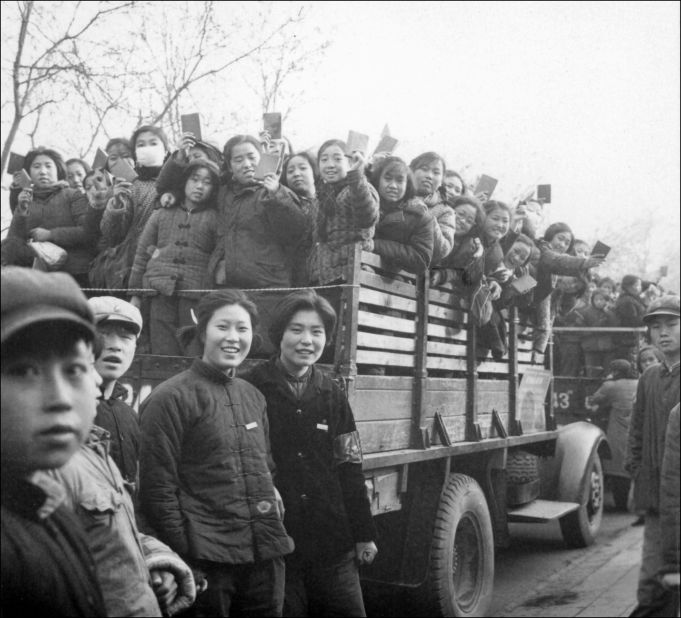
{"type": "Point", "coordinates": [198, 218]}
{"type": "Point", "coordinates": [187, 498]}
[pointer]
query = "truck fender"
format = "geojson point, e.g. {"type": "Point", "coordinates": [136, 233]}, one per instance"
{"type": "Point", "coordinates": [563, 476]}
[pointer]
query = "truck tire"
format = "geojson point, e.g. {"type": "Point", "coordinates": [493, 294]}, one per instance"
{"type": "Point", "coordinates": [620, 491]}
{"type": "Point", "coordinates": [580, 527]}
{"type": "Point", "coordinates": [521, 467]}
{"type": "Point", "coordinates": [462, 551]}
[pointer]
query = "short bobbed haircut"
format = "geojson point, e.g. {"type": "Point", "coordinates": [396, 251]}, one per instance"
{"type": "Point", "coordinates": [303, 155]}
{"type": "Point", "coordinates": [230, 145]}
{"type": "Point", "coordinates": [218, 299]}
{"type": "Point", "coordinates": [86, 167]}
{"type": "Point", "coordinates": [455, 174]}
{"type": "Point", "coordinates": [306, 300]}
{"type": "Point", "coordinates": [469, 200]}
{"type": "Point", "coordinates": [48, 152]}
{"type": "Point", "coordinates": [557, 228]}
{"type": "Point", "coordinates": [214, 172]}
{"type": "Point", "coordinates": [147, 128]}
{"type": "Point", "coordinates": [331, 142]}
{"type": "Point", "coordinates": [393, 163]}
{"type": "Point", "coordinates": [427, 158]}
{"type": "Point", "coordinates": [629, 280]}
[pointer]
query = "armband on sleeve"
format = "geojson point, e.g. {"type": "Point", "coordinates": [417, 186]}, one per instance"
{"type": "Point", "coordinates": [347, 448]}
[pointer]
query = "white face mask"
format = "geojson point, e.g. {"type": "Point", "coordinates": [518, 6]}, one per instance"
{"type": "Point", "coordinates": [150, 156]}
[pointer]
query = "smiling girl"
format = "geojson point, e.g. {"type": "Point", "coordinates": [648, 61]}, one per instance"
{"type": "Point", "coordinates": [258, 220]}
{"type": "Point", "coordinates": [405, 233]}
{"type": "Point", "coordinates": [429, 171]}
{"type": "Point", "coordinates": [206, 469]}
{"type": "Point", "coordinates": [173, 253]}
{"type": "Point", "coordinates": [316, 447]}
{"type": "Point", "coordinates": [348, 211]}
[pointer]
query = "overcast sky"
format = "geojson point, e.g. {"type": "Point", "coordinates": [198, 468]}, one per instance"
{"type": "Point", "coordinates": [581, 95]}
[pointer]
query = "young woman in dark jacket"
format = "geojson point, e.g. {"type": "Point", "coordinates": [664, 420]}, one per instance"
{"type": "Point", "coordinates": [317, 451]}
{"type": "Point", "coordinates": [206, 470]}
{"type": "Point", "coordinates": [257, 221]}
{"type": "Point", "coordinates": [299, 173]}
{"type": "Point", "coordinates": [49, 211]}
{"type": "Point", "coordinates": [405, 233]}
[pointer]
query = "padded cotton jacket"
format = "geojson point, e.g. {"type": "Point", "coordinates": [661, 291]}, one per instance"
{"type": "Point", "coordinates": [205, 469]}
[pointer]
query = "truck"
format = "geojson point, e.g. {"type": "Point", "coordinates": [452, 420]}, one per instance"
{"type": "Point", "coordinates": [454, 449]}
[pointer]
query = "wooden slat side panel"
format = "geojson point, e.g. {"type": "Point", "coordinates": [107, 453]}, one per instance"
{"type": "Point", "coordinates": [377, 436]}
{"type": "Point", "coordinates": [492, 401]}
{"type": "Point", "coordinates": [447, 349]}
{"type": "Point", "coordinates": [385, 342]}
{"type": "Point", "coordinates": [388, 359]}
{"type": "Point", "coordinates": [387, 301]}
{"type": "Point", "coordinates": [388, 383]}
{"type": "Point", "coordinates": [375, 260]}
{"type": "Point", "coordinates": [455, 332]}
{"type": "Point", "coordinates": [385, 284]}
{"type": "Point", "coordinates": [373, 320]}
{"type": "Point", "coordinates": [375, 405]}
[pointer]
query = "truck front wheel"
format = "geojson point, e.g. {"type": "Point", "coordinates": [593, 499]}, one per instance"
{"type": "Point", "coordinates": [580, 527]}
{"type": "Point", "coordinates": [462, 552]}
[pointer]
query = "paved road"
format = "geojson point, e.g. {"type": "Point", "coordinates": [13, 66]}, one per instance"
{"type": "Point", "coordinates": [538, 576]}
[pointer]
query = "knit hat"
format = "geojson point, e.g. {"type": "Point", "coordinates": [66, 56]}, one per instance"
{"type": "Point", "coordinates": [112, 309]}
{"type": "Point", "coordinates": [665, 305]}
{"type": "Point", "coordinates": [30, 296]}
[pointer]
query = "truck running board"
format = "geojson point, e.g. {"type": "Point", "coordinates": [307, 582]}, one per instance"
{"type": "Point", "coordinates": [541, 511]}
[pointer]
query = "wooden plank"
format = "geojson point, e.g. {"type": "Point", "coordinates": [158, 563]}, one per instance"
{"type": "Point", "coordinates": [444, 313]}
{"type": "Point", "coordinates": [456, 427]}
{"type": "Point", "coordinates": [446, 349]}
{"type": "Point", "coordinates": [382, 322]}
{"type": "Point", "coordinates": [524, 344]}
{"type": "Point", "coordinates": [376, 261]}
{"type": "Point", "coordinates": [388, 383]}
{"type": "Point", "coordinates": [388, 301]}
{"type": "Point", "coordinates": [446, 384]}
{"type": "Point", "coordinates": [455, 331]}
{"type": "Point", "coordinates": [385, 284]}
{"type": "Point", "coordinates": [379, 436]}
{"type": "Point", "coordinates": [446, 363]}
{"type": "Point", "coordinates": [375, 406]}
{"type": "Point", "coordinates": [493, 367]}
{"type": "Point", "coordinates": [388, 359]}
{"type": "Point", "coordinates": [385, 342]}
{"type": "Point", "coordinates": [487, 401]}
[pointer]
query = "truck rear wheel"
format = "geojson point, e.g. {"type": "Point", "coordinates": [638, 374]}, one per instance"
{"type": "Point", "coordinates": [580, 527]}
{"type": "Point", "coordinates": [462, 551]}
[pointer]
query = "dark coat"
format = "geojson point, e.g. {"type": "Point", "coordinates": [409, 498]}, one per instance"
{"type": "Point", "coordinates": [445, 229]}
{"type": "Point", "coordinates": [256, 230]}
{"type": "Point", "coordinates": [47, 569]}
{"type": "Point", "coordinates": [657, 394]}
{"type": "Point", "coordinates": [62, 211]}
{"type": "Point", "coordinates": [315, 445]}
{"type": "Point", "coordinates": [629, 310]}
{"type": "Point", "coordinates": [205, 469]}
{"type": "Point", "coordinates": [669, 496]}
{"type": "Point", "coordinates": [121, 230]}
{"type": "Point", "coordinates": [592, 317]}
{"type": "Point", "coordinates": [122, 423]}
{"type": "Point", "coordinates": [405, 235]}
{"type": "Point", "coordinates": [551, 264]}
{"type": "Point", "coordinates": [174, 249]}
{"type": "Point", "coordinates": [347, 214]}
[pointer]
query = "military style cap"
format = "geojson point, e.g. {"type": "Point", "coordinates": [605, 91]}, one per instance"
{"type": "Point", "coordinates": [112, 309]}
{"type": "Point", "coordinates": [665, 305]}
{"type": "Point", "coordinates": [30, 296]}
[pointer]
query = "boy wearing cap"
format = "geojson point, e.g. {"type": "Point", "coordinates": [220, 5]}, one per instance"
{"type": "Point", "coordinates": [48, 399]}
{"type": "Point", "coordinates": [657, 394]}
{"type": "Point", "coordinates": [118, 325]}
{"type": "Point", "coordinates": [139, 575]}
